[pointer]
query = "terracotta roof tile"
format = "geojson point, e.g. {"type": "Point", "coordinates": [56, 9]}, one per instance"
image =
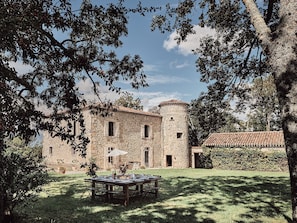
{"type": "Point", "coordinates": [269, 139]}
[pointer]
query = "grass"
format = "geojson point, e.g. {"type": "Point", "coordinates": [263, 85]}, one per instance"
{"type": "Point", "coordinates": [186, 195]}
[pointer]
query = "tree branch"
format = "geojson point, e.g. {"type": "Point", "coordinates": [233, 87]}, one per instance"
{"type": "Point", "coordinates": [55, 42]}
{"type": "Point", "coordinates": [269, 11]}
{"type": "Point", "coordinates": [262, 30]}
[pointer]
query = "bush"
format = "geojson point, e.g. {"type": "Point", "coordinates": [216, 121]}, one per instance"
{"type": "Point", "coordinates": [22, 175]}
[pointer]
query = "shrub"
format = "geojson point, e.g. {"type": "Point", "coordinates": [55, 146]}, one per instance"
{"type": "Point", "coordinates": [22, 175]}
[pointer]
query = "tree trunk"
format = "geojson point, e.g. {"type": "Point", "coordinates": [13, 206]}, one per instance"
{"type": "Point", "coordinates": [291, 148]}
{"type": "Point", "coordinates": [283, 61]}
{"type": "Point", "coordinates": [281, 50]}
{"type": "Point", "coordinates": [287, 89]}
{"type": "Point", "coordinates": [2, 195]}
{"type": "Point", "coordinates": [268, 121]}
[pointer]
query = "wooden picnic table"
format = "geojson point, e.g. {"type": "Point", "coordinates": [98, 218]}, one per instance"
{"type": "Point", "coordinates": [143, 184]}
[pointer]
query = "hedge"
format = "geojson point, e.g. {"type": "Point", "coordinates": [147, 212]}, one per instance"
{"type": "Point", "coordinates": [245, 159]}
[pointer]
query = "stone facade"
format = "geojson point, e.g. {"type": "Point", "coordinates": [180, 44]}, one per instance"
{"type": "Point", "coordinates": [175, 133]}
{"type": "Point", "coordinates": [151, 140]}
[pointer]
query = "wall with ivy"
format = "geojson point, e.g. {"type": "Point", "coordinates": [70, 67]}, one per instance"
{"type": "Point", "coordinates": [246, 159]}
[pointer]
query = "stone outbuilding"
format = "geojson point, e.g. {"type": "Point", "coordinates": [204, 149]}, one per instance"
{"type": "Point", "coordinates": [152, 140]}
{"type": "Point", "coordinates": [264, 140]}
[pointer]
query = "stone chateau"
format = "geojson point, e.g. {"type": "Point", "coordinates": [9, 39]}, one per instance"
{"type": "Point", "coordinates": [152, 140]}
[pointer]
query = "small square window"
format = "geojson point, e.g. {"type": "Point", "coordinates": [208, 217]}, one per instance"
{"type": "Point", "coordinates": [50, 150]}
{"type": "Point", "coordinates": [179, 135]}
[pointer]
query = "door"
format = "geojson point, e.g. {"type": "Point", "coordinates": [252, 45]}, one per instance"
{"type": "Point", "coordinates": [146, 157]}
{"type": "Point", "coordinates": [168, 160]}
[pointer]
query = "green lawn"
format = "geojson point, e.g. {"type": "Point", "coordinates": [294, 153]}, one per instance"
{"type": "Point", "coordinates": [186, 195]}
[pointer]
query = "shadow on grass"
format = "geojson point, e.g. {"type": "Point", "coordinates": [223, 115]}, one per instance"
{"type": "Point", "coordinates": [260, 196]}
{"type": "Point", "coordinates": [182, 199]}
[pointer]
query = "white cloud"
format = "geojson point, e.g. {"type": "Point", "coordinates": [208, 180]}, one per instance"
{"type": "Point", "coordinates": [86, 88]}
{"type": "Point", "coordinates": [179, 65]}
{"type": "Point", "coordinates": [192, 41]}
{"type": "Point", "coordinates": [164, 79]}
{"type": "Point", "coordinates": [151, 99]}
{"type": "Point", "coordinates": [148, 99]}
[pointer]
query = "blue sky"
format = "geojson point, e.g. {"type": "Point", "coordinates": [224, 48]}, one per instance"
{"type": "Point", "coordinates": [171, 71]}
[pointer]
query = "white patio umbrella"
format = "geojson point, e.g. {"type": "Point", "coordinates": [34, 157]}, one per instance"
{"type": "Point", "coordinates": [117, 152]}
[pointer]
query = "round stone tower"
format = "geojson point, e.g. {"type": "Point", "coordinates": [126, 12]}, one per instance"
{"type": "Point", "coordinates": [175, 134]}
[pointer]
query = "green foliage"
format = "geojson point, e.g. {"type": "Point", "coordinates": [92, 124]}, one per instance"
{"type": "Point", "coordinates": [22, 175]}
{"type": "Point", "coordinates": [61, 42]}
{"type": "Point", "coordinates": [17, 144]}
{"type": "Point", "coordinates": [204, 161]}
{"type": "Point", "coordinates": [207, 115]}
{"type": "Point", "coordinates": [247, 159]}
{"type": "Point", "coordinates": [265, 112]}
{"type": "Point", "coordinates": [127, 100]}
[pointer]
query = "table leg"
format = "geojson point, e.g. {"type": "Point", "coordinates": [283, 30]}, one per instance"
{"type": "Point", "coordinates": [156, 188]}
{"type": "Point", "coordinates": [126, 195]}
{"type": "Point", "coordinates": [141, 189]}
{"type": "Point", "coordinates": [93, 190]}
{"type": "Point", "coordinates": [107, 193]}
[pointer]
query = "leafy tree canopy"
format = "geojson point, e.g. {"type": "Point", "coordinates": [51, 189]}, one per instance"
{"type": "Point", "coordinates": [61, 42]}
{"type": "Point", "coordinates": [127, 100]}
{"type": "Point", "coordinates": [231, 58]}
{"type": "Point", "coordinates": [208, 115]}
{"type": "Point", "coordinates": [264, 106]}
